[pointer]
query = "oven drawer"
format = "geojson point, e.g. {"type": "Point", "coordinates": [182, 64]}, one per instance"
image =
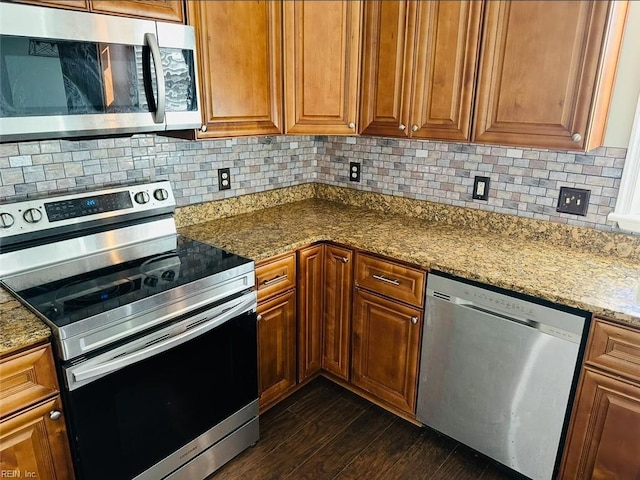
{"type": "Point", "coordinates": [275, 276]}
{"type": "Point", "coordinates": [27, 377]}
{"type": "Point", "coordinates": [391, 279]}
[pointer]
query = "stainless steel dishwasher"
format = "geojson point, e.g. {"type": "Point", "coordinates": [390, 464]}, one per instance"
{"type": "Point", "coordinates": [497, 372]}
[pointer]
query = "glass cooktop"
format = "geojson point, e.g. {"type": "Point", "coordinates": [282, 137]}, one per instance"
{"type": "Point", "coordinates": [77, 297]}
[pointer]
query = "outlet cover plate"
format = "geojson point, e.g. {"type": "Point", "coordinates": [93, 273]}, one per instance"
{"type": "Point", "coordinates": [354, 171]}
{"type": "Point", "coordinates": [573, 200]}
{"type": "Point", "coordinates": [224, 179]}
{"type": "Point", "coordinates": [480, 188]}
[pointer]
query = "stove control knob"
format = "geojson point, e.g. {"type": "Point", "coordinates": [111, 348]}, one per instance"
{"type": "Point", "coordinates": [161, 194]}
{"type": "Point", "coordinates": [6, 220]}
{"type": "Point", "coordinates": [141, 197]}
{"type": "Point", "coordinates": [32, 215]}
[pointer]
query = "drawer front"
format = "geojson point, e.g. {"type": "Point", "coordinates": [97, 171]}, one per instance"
{"type": "Point", "coordinates": [390, 279]}
{"type": "Point", "coordinates": [275, 276]}
{"type": "Point", "coordinates": [616, 349]}
{"type": "Point", "coordinates": [27, 378]}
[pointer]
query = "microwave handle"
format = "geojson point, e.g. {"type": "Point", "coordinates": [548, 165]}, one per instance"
{"type": "Point", "coordinates": [152, 42]}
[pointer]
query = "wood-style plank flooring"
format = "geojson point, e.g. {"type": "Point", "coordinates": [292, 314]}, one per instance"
{"type": "Point", "coordinates": [325, 432]}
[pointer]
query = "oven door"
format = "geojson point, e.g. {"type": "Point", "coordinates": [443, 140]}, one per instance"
{"type": "Point", "coordinates": [149, 406]}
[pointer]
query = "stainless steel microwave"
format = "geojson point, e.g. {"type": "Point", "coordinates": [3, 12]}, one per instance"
{"type": "Point", "coordinates": [68, 74]}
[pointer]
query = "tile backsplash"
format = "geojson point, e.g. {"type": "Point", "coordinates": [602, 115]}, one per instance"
{"type": "Point", "coordinates": [524, 181]}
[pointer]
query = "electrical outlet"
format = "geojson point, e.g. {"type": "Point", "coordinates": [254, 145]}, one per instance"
{"type": "Point", "coordinates": [480, 188]}
{"type": "Point", "coordinates": [573, 200]}
{"type": "Point", "coordinates": [224, 179]}
{"type": "Point", "coordinates": [354, 171]}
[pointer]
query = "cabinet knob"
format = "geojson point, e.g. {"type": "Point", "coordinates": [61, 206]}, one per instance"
{"type": "Point", "coordinates": [345, 259]}
{"type": "Point", "coordinates": [402, 127]}
{"type": "Point", "coordinates": [415, 128]}
{"type": "Point", "coordinates": [203, 128]}
{"type": "Point", "coordinates": [55, 414]}
{"type": "Point", "coordinates": [414, 320]}
{"type": "Point", "coordinates": [352, 125]}
{"type": "Point", "coordinates": [576, 137]}
{"type": "Point", "coordinates": [259, 317]}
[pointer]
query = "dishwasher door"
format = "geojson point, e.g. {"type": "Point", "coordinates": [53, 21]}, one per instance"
{"type": "Point", "coordinates": [497, 385]}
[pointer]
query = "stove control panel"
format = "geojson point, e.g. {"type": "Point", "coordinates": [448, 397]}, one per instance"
{"type": "Point", "coordinates": [50, 212]}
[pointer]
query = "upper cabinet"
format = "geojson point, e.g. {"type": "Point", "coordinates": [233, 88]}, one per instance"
{"type": "Point", "coordinates": [164, 10]}
{"type": "Point", "coordinates": [322, 64]}
{"type": "Point", "coordinates": [419, 64]}
{"type": "Point", "coordinates": [546, 72]}
{"type": "Point", "coordinates": [239, 46]}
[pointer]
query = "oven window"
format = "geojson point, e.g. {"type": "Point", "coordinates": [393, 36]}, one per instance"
{"type": "Point", "coordinates": [124, 423]}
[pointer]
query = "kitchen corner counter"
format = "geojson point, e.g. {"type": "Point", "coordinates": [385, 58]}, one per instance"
{"type": "Point", "coordinates": [604, 285]}
{"type": "Point", "coordinates": [19, 328]}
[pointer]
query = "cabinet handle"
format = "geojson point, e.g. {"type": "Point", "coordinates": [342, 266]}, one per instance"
{"type": "Point", "coordinates": [203, 128]}
{"type": "Point", "coordinates": [344, 260]}
{"type": "Point", "coordinates": [414, 320]}
{"type": "Point", "coordinates": [402, 127]}
{"type": "Point", "coordinates": [277, 279]}
{"type": "Point", "coordinates": [55, 414]}
{"type": "Point", "coordinates": [576, 137]}
{"type": "Point", "coordinates": [259, 317]}
{"type": "Point", "coordinates": [415, 128]}
{"type": "Point", "coordinates": [382, 278]}
{"type": "Point", "coordinates": [352, 125]}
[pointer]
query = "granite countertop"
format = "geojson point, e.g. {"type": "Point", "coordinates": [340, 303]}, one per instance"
{"type": "Point", "coordinates": [603, 284]}
{"type": "Point", "coordinates": [19, 327]}
{"type": "Point", "coordinates": [600, 284]}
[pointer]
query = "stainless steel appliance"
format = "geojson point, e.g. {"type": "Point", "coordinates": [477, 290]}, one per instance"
{"type": "Point", "coordinates": [67, 74]}
{"type": "Point", "coordinates": [498, 371]}
{"type": "Point", "coordinates": [155, 334]}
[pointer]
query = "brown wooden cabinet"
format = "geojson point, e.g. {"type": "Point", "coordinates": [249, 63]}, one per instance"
{"type": "Point", "coordinates": [240, 54]}
{"type": "Point", "coordinates": [419, 65]}
{"type": "Point", "coordinates": [276, 281]}
{"type": "Point", "coordinates": [338, 294]}
{"type": "Point", "coordinates": [163, 10]}
{"type": "Point", "coordinates": [310, 287]}
{"type": "Point", "coordinates": [33, 436]}
{"type": "Point", "coordinates": [546, 72]}
{"type": "Point", "coordinates": [604, 438]}
{"type": "Point", "coordinates": [322, 63]}
{"type": "Point", "coordinates": [386, 348]}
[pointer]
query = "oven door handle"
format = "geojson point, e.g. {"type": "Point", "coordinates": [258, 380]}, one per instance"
{"type": "Point", "coordinates": [191, 330]}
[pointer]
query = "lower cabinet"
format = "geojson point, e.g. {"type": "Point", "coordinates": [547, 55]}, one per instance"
{"type": "Point", "coordinates": [276, 347]}
{"type": "Point", "coordinates": [386, 349]}
{"type": "Point", "coordinates": [33, 435]}
{"type": "Point", "coordinates": [604, 439]}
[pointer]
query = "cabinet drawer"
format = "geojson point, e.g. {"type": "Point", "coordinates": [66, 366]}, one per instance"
{"type": "Point", "coordinates": [616, 349]}
{"type": "Point", "coordinates": [390, 279]}
{"type": "Point", "coordinates": [27, 377]}
{"type": "Point", "coordinates": [276, 275]}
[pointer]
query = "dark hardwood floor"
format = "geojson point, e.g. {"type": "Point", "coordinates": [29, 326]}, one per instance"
{"type": "Point", "coordinates": [326, 432]}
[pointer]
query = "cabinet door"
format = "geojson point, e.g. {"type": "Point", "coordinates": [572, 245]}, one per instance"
{"type": "Point", "coordinates": [539, 69]}
{"type": "Point", "coordinates": [310, 310]}
{"type": "Point", "coordinates": [387, 66]}
{"type": "Point", "coordinates": [322, 64]}
{"type": "Point", "coordinates": [604, 441]}
{"type": "Point", "coordinates": [447, 38]}
{"type": "Point", "coordinates": [386, 346]}
{"type": "Point", "coordinates": [240, 51]}
{"type": "Point", "coordinates": [276, 347]}
{"type": "Point", "coordinates": [338, 288]}
{"type": "Point", "coordinates": [35, 445]}
{"type": "Point", "coordinates": [164, 10]}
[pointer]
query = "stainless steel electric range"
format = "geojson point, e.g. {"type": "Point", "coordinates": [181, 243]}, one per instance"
{"type": "Point", "coordinates": [155, 334]}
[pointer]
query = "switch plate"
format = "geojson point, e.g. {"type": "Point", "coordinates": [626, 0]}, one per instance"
{"type": "Point", "coordinates": [480, 188]}
{"type": "Point", "coordinates": [573, 200]}
{"type": "Point", "coordinates": [354, 171]}
{"type": "Point", "coordinates": [224, 179]}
